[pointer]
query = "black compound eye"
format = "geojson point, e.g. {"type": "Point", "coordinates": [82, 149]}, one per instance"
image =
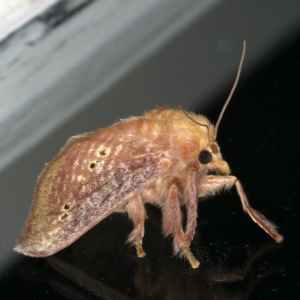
{"type": "Point", "coordinates": [205, 157]}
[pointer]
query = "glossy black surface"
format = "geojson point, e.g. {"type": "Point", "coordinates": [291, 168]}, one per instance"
{"type": "Point", "coordinates": [259, 137]}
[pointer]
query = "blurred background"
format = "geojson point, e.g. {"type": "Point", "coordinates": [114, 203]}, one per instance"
{"type": "Point", "coordinates": [69, 67]}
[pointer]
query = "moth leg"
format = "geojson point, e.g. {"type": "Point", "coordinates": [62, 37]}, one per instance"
{"type": "Point", "coordinates": [137, 213]}
{"type": "Point", "coordinates": [172, 219]}
{"type": "Point", "coordinates": [213, 184]}
{"type": "Point", "coordinates": [172, 225]}
{"type": "Point", "coordinates": [190, 200]}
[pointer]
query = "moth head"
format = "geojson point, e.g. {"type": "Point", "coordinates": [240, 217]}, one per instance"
{"type": "Point", "coordinates": [211, 158]}
{"type": "Point", "coordinates": [208, 155]}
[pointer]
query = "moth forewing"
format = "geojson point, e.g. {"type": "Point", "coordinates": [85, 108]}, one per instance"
{"type": "Point", "coordinates": [83, 184]}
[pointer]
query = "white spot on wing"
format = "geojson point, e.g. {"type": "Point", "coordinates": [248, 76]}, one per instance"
{"type": "Point", "coordinates": [118, 149]}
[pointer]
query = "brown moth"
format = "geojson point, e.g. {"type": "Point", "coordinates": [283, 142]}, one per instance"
{"type": "Point", "coordinates": [161, 158]}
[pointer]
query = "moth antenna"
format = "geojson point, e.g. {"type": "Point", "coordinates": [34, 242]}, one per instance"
{"type": "Point", "coordinates": [231, 92]}
{"type": "Point", "coordinates": [193, 119]}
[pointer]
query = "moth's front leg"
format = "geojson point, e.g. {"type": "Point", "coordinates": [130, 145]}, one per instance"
{"type": "Point", "coordinates": [137, 213]}
{"type": "Point", "coordinates": [212, 184]}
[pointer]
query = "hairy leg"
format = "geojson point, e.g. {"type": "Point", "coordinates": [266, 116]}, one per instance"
{"type": "Point", "coordinates": [137, 213]}
{"type": "Point", "coordinates": [191, 203]}
{"type": "Point", "coordinates": [212, 184]}
{"type": "Point", "coordinates": [172, 225]}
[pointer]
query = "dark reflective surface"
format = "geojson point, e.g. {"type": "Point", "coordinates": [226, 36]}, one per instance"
{"type": "Point", "coordinates": [259, 137]}
{"type": "Point", "coordinates": [100, 265]}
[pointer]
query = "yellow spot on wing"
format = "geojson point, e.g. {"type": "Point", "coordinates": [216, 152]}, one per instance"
{"type": "Point", "coordinates": [102, 151]}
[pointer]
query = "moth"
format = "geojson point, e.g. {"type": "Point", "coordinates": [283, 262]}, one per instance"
{"type": "Point", "coordinates": [162, 158]}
